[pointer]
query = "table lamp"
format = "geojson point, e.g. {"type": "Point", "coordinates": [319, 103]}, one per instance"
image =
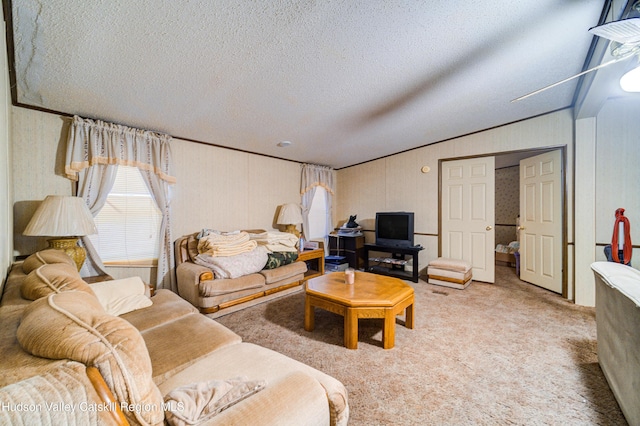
{"type": "Point", "coordinates": [290, 216]}
{"type": "Point", "coordinates": [66, 218]}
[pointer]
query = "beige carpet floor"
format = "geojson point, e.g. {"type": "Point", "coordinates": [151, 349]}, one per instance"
{"type": "Point", "coordinates": [503, 354]}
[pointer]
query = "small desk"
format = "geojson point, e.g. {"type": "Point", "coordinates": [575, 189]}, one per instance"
{"type": "Point", "coordinates": [314, 260]}
{"type": "Point", "coordinates": [396, 253]}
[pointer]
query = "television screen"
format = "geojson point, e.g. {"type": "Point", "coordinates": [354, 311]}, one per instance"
{"type": "Point", "coordinates": [394, 229]}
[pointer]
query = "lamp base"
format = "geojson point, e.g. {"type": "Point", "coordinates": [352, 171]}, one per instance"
{"type": "Point", "coordinates": [71, 248]}
{"type": "Point", "coordinates": [292, 230]}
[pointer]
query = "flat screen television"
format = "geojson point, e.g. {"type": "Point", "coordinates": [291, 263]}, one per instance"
{"type": "Point", "coordinates": [394, 229]}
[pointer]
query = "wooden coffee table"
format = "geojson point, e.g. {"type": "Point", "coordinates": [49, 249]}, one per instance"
{"type": "Point", "coordinates": [371, 296]}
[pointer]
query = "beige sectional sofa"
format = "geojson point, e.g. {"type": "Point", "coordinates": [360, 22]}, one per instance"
{"type": "Point", "coordinates": [159, 362]}
{"type": "Point", "coordinates": [196, 283]}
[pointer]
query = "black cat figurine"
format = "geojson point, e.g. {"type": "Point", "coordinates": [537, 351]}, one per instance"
{"type": "Point", "coordinates": [352, 222]}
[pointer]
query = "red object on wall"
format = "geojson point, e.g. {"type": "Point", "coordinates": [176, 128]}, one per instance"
{"type": "Point", "coordinates": [627, 247]}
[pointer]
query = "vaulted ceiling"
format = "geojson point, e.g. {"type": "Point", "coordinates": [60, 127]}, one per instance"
{"type": "Point", "coordinates": [345, 81]}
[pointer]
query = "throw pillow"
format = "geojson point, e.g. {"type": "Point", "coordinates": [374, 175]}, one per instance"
{"type": "Point", "coordinates": [280, 258]}
{"type": "Point", "coordinates": [199, 402]}
{"type": "Point", "coordinates": [45, 257]}
{"type": "Point", "coordinates": [52, 278]}
{"type": "Point", "coordinates": [73, 325]}
{"type": "Point", "coordinates": [118, 297]}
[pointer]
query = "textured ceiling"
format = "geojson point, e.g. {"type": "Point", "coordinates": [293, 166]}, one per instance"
{"type": "Point", "coordinates": [345, 81]}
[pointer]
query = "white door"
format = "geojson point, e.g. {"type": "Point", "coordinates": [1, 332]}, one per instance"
{"type": "Point", "coordinates": [468, 214]}
{"type": "Point", "coordinates": [541, 220]}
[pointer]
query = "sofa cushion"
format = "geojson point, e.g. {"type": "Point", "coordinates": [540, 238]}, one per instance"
{"type": "Point", "coordinates": [177, 344]}
{"type": "Point", "coordinates": [457, 265]}
{"type": "Point", "coordinates": [52, 278]}
{"type": "Point", "coordinates": [17, 364]}
{"type": "Point", "coordinates": [46, 257]}
{"type": "Point", "coordinates": [219, 287]}
{"type": "Point", "coordinates": [73, 325]}
{"type": "Point", "coordinates": [167, 306]}
{"type": "Point", "coordinates": [66, 384]}
{"type": "Point", "coordinates": [11, 294]}
{"type": "Point", "coordinates": [119, 297]}
{"type": "Point", "coordinates": [284, 272]}
{"type": "Point", "coordinates": [192, 247]}
{"type": "Point", "coordinates": [257, 362]}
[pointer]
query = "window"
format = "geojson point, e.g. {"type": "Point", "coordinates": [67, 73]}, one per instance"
{"type": "Point", "coordinates": [129, 223]}
{"type": "Point", "coordinates": [318, 215]}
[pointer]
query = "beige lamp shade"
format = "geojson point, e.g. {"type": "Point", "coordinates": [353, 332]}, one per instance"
{"type": "Point", "coordinates": [61, 216]}
{"type": "Point", "coordinates": [65, 218]}
{"type": "Point", "coordinates": [290, 216]}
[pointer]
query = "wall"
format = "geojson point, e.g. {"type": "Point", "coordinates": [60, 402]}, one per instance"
{"type": "Point", "coordinates": [217, 188]}
{"type": "Point", "coordinates": [6, 229]}
{"type": "Point", "coordinates": [617, 169]}
{"type": "Point", "coordinates": [397, 183]}
{"type": "Point", "coordinates": [607, 176]}
{"type": "Point", "coordinates": [507, 203]}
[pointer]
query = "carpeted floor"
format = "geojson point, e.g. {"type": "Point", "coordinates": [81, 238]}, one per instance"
{"type": "Point", "coordinates": [508, 353]}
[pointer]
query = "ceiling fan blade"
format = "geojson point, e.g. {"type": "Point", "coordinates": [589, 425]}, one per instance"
{"type": "Point", "coordinates": [622, 31]}
{"type": "Point", "coordinates": [613, 61]}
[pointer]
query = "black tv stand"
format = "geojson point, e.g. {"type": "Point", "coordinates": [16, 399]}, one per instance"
{"type": "Point", "coordinates": [393, 266]}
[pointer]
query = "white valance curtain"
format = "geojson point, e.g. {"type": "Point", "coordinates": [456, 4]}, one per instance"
{"type": "Point", "coordinates": [314, 176]}
{"type": "Point", "coordinates": [94, 151]}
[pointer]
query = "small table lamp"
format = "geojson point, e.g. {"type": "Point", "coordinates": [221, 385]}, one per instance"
{"type": "Point", "coordinates": [290, 216]}
{"type": "Point", "coordinates": [66, 218]}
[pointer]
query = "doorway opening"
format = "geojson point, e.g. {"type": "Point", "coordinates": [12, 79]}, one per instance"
{"type": "Point", "coordinates": [507, 210]}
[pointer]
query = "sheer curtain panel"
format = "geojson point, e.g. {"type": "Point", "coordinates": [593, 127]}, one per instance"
{"type": "Point", "coordinates": [314, 176]}
{"type": "Point", "coordinates": [94, 149]}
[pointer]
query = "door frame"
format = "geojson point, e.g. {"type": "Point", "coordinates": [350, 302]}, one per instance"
{"type": "Point", "coordinates": [563, 184]}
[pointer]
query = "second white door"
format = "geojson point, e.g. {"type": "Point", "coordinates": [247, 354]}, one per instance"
{"type": "Point", "coordinates": [468, 214]}
{"type": "Point", "coordinates": [541, 220]}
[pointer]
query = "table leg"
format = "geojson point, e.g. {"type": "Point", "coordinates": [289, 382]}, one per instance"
{"type": "Point", "coordinates": [389, 329]}
{"type": "Point", "coordinates": [309, 315]}
{"type": "Point", "coordinates": [351, 329]}
{"type": "Point", "coordinates": [408, 316]}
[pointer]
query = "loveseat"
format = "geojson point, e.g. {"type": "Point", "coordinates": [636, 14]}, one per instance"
{"type": "Point", "coordinates": [618, 333]}
{"type": "Point", "coordinates": [161, 360]}
{"type": "Point", "coordinates": [198, 284]}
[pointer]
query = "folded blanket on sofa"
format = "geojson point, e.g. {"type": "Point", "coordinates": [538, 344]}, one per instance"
{"type": "Point", "coordinates": [234, 266]}
{"type": "Point", "coordinates": [225, 243]}
{"type": "Point", "coordinates": [276, 241]}
{"type": "Point", "coordinates": [199, 402]}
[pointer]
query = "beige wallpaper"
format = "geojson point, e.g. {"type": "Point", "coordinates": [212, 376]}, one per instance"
{"type": "Point", "coordinates": [617, 167]}
{"type": "Point", "coordinates": [229, 189]}
{"type": "Point", "coordinates": [397, 183]}
{"type": "Point", "coordinates": [217, 188]}
{"type": "Point", "coordinates": [507, 203]}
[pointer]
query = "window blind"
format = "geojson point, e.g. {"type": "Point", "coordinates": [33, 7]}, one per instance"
{"type": "Point", "coordinates": [129, 223]}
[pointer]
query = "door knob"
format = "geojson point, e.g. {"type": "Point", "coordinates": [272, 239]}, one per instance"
{"type": "Point", "coordinates": [520, 228]}
{"type": "Point", "coordinates": [489, 227]}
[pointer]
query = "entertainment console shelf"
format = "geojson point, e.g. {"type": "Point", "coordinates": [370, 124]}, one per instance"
{"type": "Point", "coordinates": [398, 254]}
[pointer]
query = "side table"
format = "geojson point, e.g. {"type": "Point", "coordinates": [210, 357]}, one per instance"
{"type": "Point", "coordinates": [97, 279]}
{"type": "Point", "coordinates": [314, 260]}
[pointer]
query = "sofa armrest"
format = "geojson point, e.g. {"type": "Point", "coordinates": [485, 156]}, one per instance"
{"type": "Point", "coordinates": [189, 277]}
{"type": "Point", "coordinates": [106, 396]}
{"type": "Point", "coordinates": [295, 399]}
